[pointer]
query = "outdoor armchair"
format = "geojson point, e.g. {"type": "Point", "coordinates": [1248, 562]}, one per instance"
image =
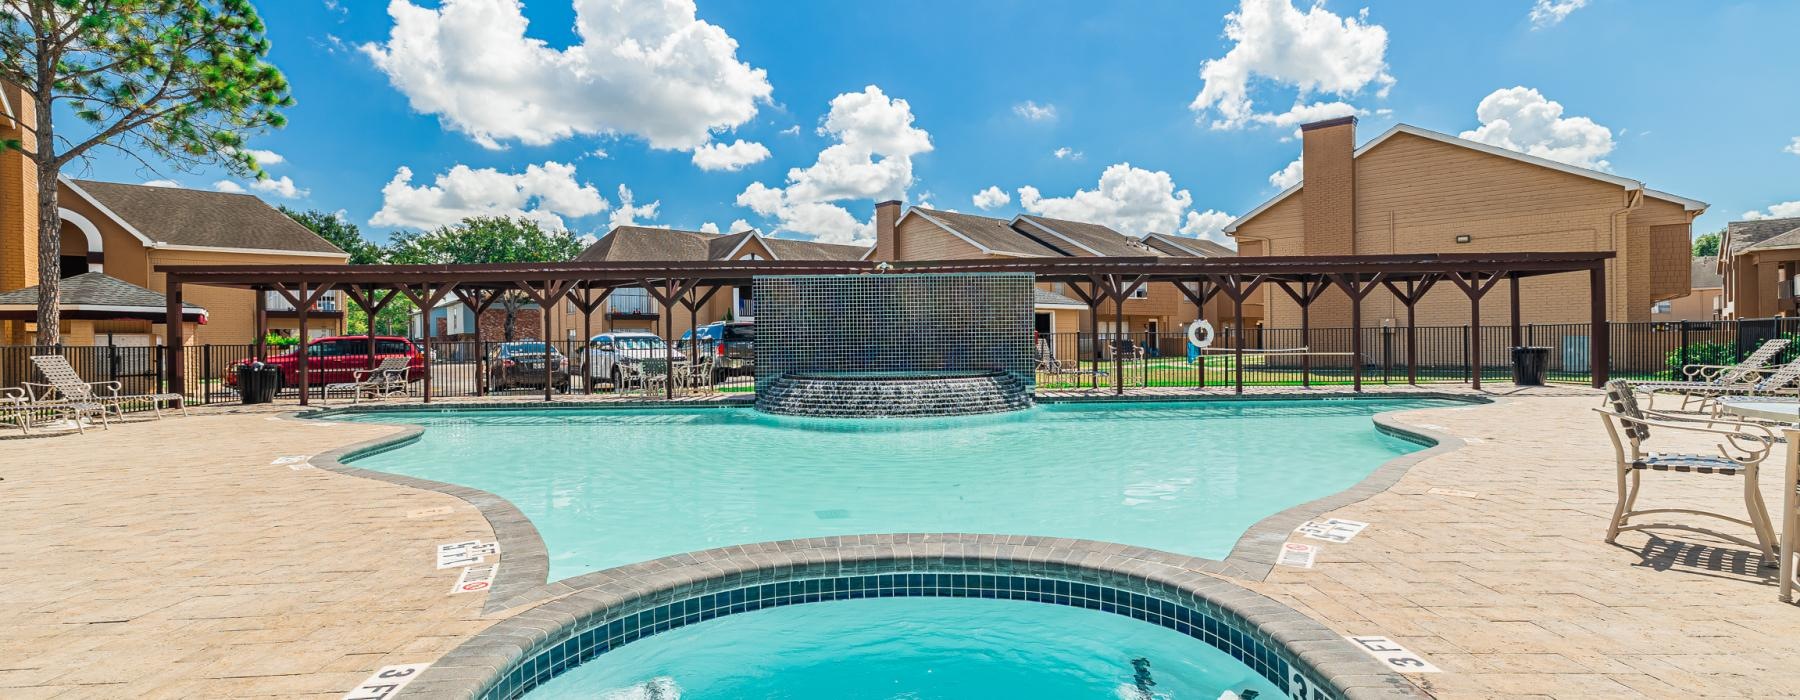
{"type": "Point", "coordinates": [1741, 449]}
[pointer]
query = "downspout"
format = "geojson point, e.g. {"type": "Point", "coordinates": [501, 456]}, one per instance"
{"type": "Point", "coordinates": [1634, 198]}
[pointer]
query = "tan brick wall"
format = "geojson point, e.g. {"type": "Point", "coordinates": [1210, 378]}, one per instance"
{"type": "Point", "coordinates": [919, 239]}
{"type": "Point", "coordinates": [1329, 213]}
{"type": "Point", "coordinates": [231, 312]}
{"type": "Point", "coordinates": [18, 199]}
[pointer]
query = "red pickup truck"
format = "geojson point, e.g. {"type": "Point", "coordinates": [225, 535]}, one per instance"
{"type": "Point", "coordinates": [332, 360]}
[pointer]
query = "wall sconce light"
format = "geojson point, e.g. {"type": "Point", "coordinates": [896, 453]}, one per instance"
{"type": "Point", "coordinates": [1464, 238]}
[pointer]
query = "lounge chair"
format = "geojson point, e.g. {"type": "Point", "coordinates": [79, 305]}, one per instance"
{"type": "Point", "coordinates": [1741, 449]}
{"type": "Point", "coordinates": [1127, 350]}
{"type": "Point", "coordinates": [16, 408]}
{"type": "Point", "coordinates": [1048, 363]}
{"type": "Point", "coordinates": [385, 380]}
{"type": "Point", "coordinates": [1700, 377]}
{"type": "Point", "coordinates": [1754, 382]}
{"type": "Point", "coordinates": [67, 386]}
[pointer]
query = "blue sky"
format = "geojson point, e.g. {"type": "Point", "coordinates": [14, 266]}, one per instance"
{"type": "Point", "coordinates": [1696, 99]}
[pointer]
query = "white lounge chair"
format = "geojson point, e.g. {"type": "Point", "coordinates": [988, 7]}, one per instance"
{"type": "Point", "coordinates": [384, 381]}
{"type": "Point", "coordinates": [1702, 377]}
{"type": "Point", "coordinates": [16, 408]}
{"type": "Point", "coordinates": [1741, 449]}
{"type": "Point", "coordinates": [64, 385]}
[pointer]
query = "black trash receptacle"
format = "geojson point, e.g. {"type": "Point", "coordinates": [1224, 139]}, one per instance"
{"type": "Point", "coordinates": [1529, 364]}
{"type": "Point", "coordinates": [257, 384]}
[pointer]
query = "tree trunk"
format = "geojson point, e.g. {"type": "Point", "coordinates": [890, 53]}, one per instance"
{"type": "Point", "coordinates": [49, 301]}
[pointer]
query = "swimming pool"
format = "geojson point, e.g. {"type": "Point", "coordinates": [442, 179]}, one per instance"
{"type": "Point", "coordinates": [915, 648]}
{"type": "Point", "coordinates": [607, 487]}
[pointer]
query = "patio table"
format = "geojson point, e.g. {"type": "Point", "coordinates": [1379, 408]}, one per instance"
{"type": "Point", "coordinates": [1788, 413]}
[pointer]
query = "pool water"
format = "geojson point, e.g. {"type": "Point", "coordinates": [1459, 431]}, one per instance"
{"type": "Point", "coordinates": [915, 648]}
{"type": "Point", "coordinates": [607, 487]}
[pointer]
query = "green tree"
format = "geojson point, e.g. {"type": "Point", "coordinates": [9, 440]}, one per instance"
{"type": "Point", "coordinates": [486, 240]}
{"type": "Point", "coordinates": [340, 232]}
{"type": "Point", "coordinates": [1706, 245]}
{"type": "Point", "coordinates": [179, 80]}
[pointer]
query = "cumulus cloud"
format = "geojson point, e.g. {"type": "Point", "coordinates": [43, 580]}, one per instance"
{"type": "Point", "coordinates": [628, 213]}
{"type": "Point", "coordinates": [282, 187]}
{"type": "Point", "coordinates": [228, 186]}
{"type": "Point", "coordinates": [1129, 200]}
{"type": "Point", "coordinates": [1066, 153]}
{"type": "Point", "coordinates": [543, 193]}
{"type": "Point", "coordinates": [1794, 147]}
{"type": "Point", "coordinates": [991, 198]}
{"type": "Point", "coordinates": [648, 68]}
{"type": "Point", "coordinates": [735, 227]}
{"type": "Point", "coordinates": [1549, 13]}
{"type": "Point", "coordinates": [1313, 52]}
{"type": "Point", "coordinates": [1778, 211]}
{"type": "Point", "coordinates": [871, 159]}
{"type": "Point", "coordinates": [1290, 175]}
{"type": "Point", "coordinates": [1209, 224]}
{"type": "Point", "coordinates": [266, 157]}
{"type": "Point", "coordinates": [1033, 111]}
{"type": "Point", "coordinates": [1521, 119]}
{"type": "Point", "coordinates": [161, 183]}
{"type": "Point", "coordinates": [732, 158]}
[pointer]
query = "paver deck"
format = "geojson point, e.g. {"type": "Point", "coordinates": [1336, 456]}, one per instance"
{"type": "Point", "coordinates": [172, 559]}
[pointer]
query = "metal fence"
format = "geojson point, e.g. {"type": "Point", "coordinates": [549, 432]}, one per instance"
{"type": "Point", "coordinates": [1270, 357]}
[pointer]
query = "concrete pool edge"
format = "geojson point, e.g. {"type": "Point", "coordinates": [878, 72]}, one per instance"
{"type": "Point", "coordinates": [477, 665]}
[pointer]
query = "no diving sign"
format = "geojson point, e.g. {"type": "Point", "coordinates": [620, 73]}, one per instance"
{"type": "Point", "coordinates": [475, 579]}
{"type": "Point", "coordinates": [386, 682]}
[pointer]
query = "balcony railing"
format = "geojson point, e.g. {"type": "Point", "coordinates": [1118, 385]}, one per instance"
{"type": "Point", "coordinates": [331, 303]}
{"type": "Point", "coordinates": [631, 305]}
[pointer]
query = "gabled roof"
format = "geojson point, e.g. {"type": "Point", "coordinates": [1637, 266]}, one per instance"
{"type": "Point", "coordinates": [1705, 274]}
{"type": "Point", "coordinates": [98, 293]}
{"type": "Point", "coordinates": [640, 244]}
{"type": "Point", "coordinates": [1046, 299]}
{"type": "Point", "coordinates": [989, 235]}
{"type": "Point", "coordinates": [1759, 234]}
{"type": "Point", "coordinates": [184, 219]}
{"type": "Point", "coordinates": [1693, 205]}
{"type": "Point", "coordinates": [1184, 247]}
{"type": "Point", "coordinates": [1091, 239]}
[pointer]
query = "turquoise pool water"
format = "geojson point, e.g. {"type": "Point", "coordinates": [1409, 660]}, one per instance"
{"type": "Point", "coordinates": [612, 487]}
{"type": "Point", "coordinates": [915, 648]}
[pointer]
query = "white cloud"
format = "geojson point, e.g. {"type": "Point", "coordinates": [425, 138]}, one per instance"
{"type": "Point", "coordinates": [791, 131]}
{"type": "Point", "coordinates": [1314, 52]}
{"type": "Point", "coordinates": [1521, 119]}
{"type": "Point", "coordinates": [1794, 147]}
{"type": "Point", "coordinates": [627, 213]}
{"type": "Point", "coordinates": [1209, 224]}
{"type": "Point", "coordinates": [544, 193]}
{"type": "Point", "coordinates": [1130, 200]}
{"type": "Point", "coordinates": [1778, 211]}
{"type": "Point", "coordinates": [991, 197]}
{"type": "Point", "coordinates": [1033, 111]}
{"type": "Point", "coordinates": [228, 186]}
{"type": "Point", "coordinates": [161, 183]}
{"type": "Point", "coordinates": [266, 157]}
{"type": "Point", "coordinates": [872, 159]}
{"type": "Point", "coordinates": [732, 158]}
{"type": "Point", "coordinates": [282, 187]}
{"type": "Point", "coordinates": [600, 153]}
{"type": "Point", "coordinates": [736, 226]}
{"type": "Point", "coordinates": [1549, 13]}
{"type": "Point", "coordinates": [1290, 175]}
{"type": "Point", "coordinates": [650, 69]}
{"type": "Point", "coordinates": [1306, 114]}
{"type": "Point", "coordinates": [1066, 153]}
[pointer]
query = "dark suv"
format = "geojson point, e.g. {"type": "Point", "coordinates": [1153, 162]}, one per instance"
{"type": "Point", "coordinates": [732, 345]}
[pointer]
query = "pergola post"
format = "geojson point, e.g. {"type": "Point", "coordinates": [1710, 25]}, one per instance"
{"type": "Point", "coordinates": [262, 325]}
{"type": "Point", "coordinates": [1357, 289]}
{"type": "Point", "coordinates": [1310, 291]}
{"type": "Point", "coordinates": [1092, 297]}
{"type": "Point", "coordinates": [672, 291]}
{"type": "Point", "coordinates": [427, 298]}
{"type": "Point", "coordinates": [305, 352]}
{"type": "Point", "coordinates": [1410, 298]}
{"type": "Point", "coordinates": [1199, 295]}
{"type": "Point", "coordinates": [1600, 348]}
{"type": "Point", "coordinates": [1476, 288]}
{"type": "Point", "coordinates": [1518, 339]}
{"type": "Point", "coordinates": [172, 318]}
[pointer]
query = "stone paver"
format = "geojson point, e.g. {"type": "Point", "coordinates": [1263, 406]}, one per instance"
{"type": "Point", "coordinates": [171, 559]}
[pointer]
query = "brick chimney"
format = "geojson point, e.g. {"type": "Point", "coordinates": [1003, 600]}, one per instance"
{"type": "Point", "coordinates": [18, 192]}
{"type": "Point", "coordinates": [886, 215]}
{"type": "Point", "coordinates": [1329, 193]}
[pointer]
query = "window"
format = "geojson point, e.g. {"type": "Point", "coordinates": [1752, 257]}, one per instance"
{"type": "Point", "coordinates": [1142, 292]}
{"type": "Point", "coordinates": [631, 300]}
{"type": "Point", "coordinates": [1662, 307]}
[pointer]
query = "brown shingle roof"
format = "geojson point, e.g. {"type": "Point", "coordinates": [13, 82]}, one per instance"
{"type": "Point", "coordinates": [1763, 234]}
{"type": "Point", "coordinates": [637, 243]}
{"type": "Point", "coordinates": [1083, 237]}
{"type": "Point", "coordinates": [95, 289]}
{"type": "Point", "coordinates": [1705, 274]}
{"type": "Point", "coordinates": [1184, 247]}
{"type": "Point", "coordinates": [177, 216]}
{"type": "Point", "coordinates": [996, 235]}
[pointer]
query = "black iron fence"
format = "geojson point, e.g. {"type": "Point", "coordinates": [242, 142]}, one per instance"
{"type": "Point", "coordinates": [1270, 357]}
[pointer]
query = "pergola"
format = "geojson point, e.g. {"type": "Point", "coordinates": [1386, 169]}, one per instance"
{"type": "Point", "coordinates": [586, 285]}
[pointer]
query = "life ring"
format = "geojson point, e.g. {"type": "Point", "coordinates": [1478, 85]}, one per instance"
{"type": "Point", "coordinates": [1194, 330]}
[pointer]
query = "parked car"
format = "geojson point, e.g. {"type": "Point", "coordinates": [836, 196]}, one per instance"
{"type": "Point", "coordinates": [732, 345]}
{"type": "Point", "coordinates": [334, 359]}
{"type": "Point", "coordinates": [521, 364]}
{"type": "Point", "coordinates": [606, 351]}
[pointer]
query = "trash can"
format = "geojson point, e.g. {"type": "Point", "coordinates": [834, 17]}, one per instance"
{"type": "Point", "coordinates": [257, 383]}
{"type": "Point", "coordinates": [1529, 364]}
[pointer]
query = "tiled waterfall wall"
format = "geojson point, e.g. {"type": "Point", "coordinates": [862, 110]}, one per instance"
{"type": "Point", "coordinates": [895, 325]}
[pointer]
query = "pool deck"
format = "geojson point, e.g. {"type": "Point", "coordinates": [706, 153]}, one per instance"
{"type": "Point", "coordinates": [173, 559]}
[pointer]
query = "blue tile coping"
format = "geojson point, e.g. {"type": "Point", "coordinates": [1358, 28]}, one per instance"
{"type": "Point", "coordinates": [509, 657]}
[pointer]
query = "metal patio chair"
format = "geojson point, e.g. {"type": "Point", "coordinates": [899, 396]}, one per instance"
{"type": "Point", "coordinates": [65, 385]}
{"type": "Point", "coordinates": [1699, 378]}
{"type": "Point", "coordinates": [384, 381]}
{"type": "Point", "coordinates": [16, 408]}
{"type": "Point", "coordinates": [1742, 448]}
